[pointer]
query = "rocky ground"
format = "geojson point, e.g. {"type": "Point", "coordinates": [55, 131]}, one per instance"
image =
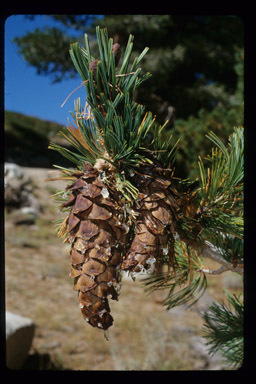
{"type": "Point", "coordinates": [144, 335]}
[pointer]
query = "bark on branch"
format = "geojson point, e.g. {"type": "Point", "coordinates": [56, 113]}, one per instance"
{"type": "Point", "coordinates": [215, 271]}
{"type": "Point", "coordinates": [209, 251]}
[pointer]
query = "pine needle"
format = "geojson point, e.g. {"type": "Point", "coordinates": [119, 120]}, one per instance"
{"type": "Point", "coordinates": [223, 329]}
{"type": "Point", "coordinates": [62, 228]}
{"type": "Point", "coordinates": [71, 93]}
{"type": "Point", "coordinates": [59, 178]}
{"type": "Point", "coordinates": [80, 138]}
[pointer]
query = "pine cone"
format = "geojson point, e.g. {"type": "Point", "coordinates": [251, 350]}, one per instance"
{"type": "Point", "coordinates": [95, 234]}
{"type": "Point", "coordinates": [154, 227]}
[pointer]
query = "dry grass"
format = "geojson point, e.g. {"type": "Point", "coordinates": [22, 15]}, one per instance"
{"type": "Point", "coordinates": [144, 336]}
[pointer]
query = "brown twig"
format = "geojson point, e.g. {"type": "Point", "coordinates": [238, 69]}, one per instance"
{"type": "Point", "coordinates": [209, 251]}
{"type": "Point", "coordinates": [214, 272]}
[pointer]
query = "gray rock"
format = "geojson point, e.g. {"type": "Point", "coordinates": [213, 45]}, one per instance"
{"type": "Point", "coordinates": [24, 215]}
{"type": "Point", "coordinates": [15, 184]}
{"type": "Point", "coordinates": [12, 170]}
{"type": "Point", "coordinates": [19, 197]}
{"type": "Point", "coordinates": [19, 335]}
{"type": "Point", "coordinates": [33, 203]}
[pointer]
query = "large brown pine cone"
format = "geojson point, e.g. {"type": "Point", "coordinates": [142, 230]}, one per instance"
{"type": "Point", "coordinates": [96, 235]}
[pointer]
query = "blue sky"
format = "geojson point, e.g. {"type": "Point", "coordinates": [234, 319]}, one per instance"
{"type": "Point", "coordinates": [25, 91]}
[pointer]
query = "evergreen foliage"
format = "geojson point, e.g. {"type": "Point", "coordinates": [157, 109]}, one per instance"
{"type": "Point", "coordinates": [119, 130]}
{"type": "Point", "coordinates": [196, 64]}
{"type": "Point", "coordinates": [185, 282]}
{"type": "Point", "coordinates": [221, 188]}
{"type": "Point", "coordinates": [223, 329]}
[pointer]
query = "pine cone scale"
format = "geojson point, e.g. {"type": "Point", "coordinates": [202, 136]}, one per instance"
{"type": "Point", "coordinates": [93, 267]}
{"type": "Point", "coordinates": [81, 204]}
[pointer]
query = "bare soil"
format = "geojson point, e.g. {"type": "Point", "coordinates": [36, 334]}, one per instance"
{"type": "Point", "coordinates": [144, 335]}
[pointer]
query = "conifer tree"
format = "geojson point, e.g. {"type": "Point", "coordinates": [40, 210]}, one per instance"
{"type": "Point", "coordinates": [128, 211]}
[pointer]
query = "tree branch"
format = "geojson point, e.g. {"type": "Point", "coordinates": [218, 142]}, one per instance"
{"type": "Point", "coordinates": [214, 272]}
{"type": "Point", "coordinates": [210, 251]}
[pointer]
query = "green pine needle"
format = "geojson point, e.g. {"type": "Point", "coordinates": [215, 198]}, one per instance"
{"type": "Point", "coordinates": [223, 329]}
{"type": "Point", "coordinates": [220, 194]}
{"type": "Point", "coordinates": [185, 282]}
{"type": "Point", "coordinates": [119, 127]}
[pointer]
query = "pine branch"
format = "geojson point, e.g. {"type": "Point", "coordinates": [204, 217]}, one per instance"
{"type": "Point", "coordinates": [119, 120]}
{"type": "Point", "coordinates": [208, 250]}
{"type": "Point", "coordinates": [213, 226]}
{"type": "Point", "coordinates": [220, 195]}
{"type": "Point", "coordinates": [185, 280]}
{"type": "Point", "coordinates": [116, 128]}
{"type": "Point", "coordinates": [223, 329]}
{"type": "Point", "coordinates": [214, 272]}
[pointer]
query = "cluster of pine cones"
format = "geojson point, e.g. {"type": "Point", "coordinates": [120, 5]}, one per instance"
{"type": "Point", "coordinates": [107, 236]}
{"type": "Point", "coordinates": [109, 233]}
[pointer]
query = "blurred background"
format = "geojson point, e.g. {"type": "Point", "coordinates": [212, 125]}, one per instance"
{"type": "Point", "coordinates": [197, 66]}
